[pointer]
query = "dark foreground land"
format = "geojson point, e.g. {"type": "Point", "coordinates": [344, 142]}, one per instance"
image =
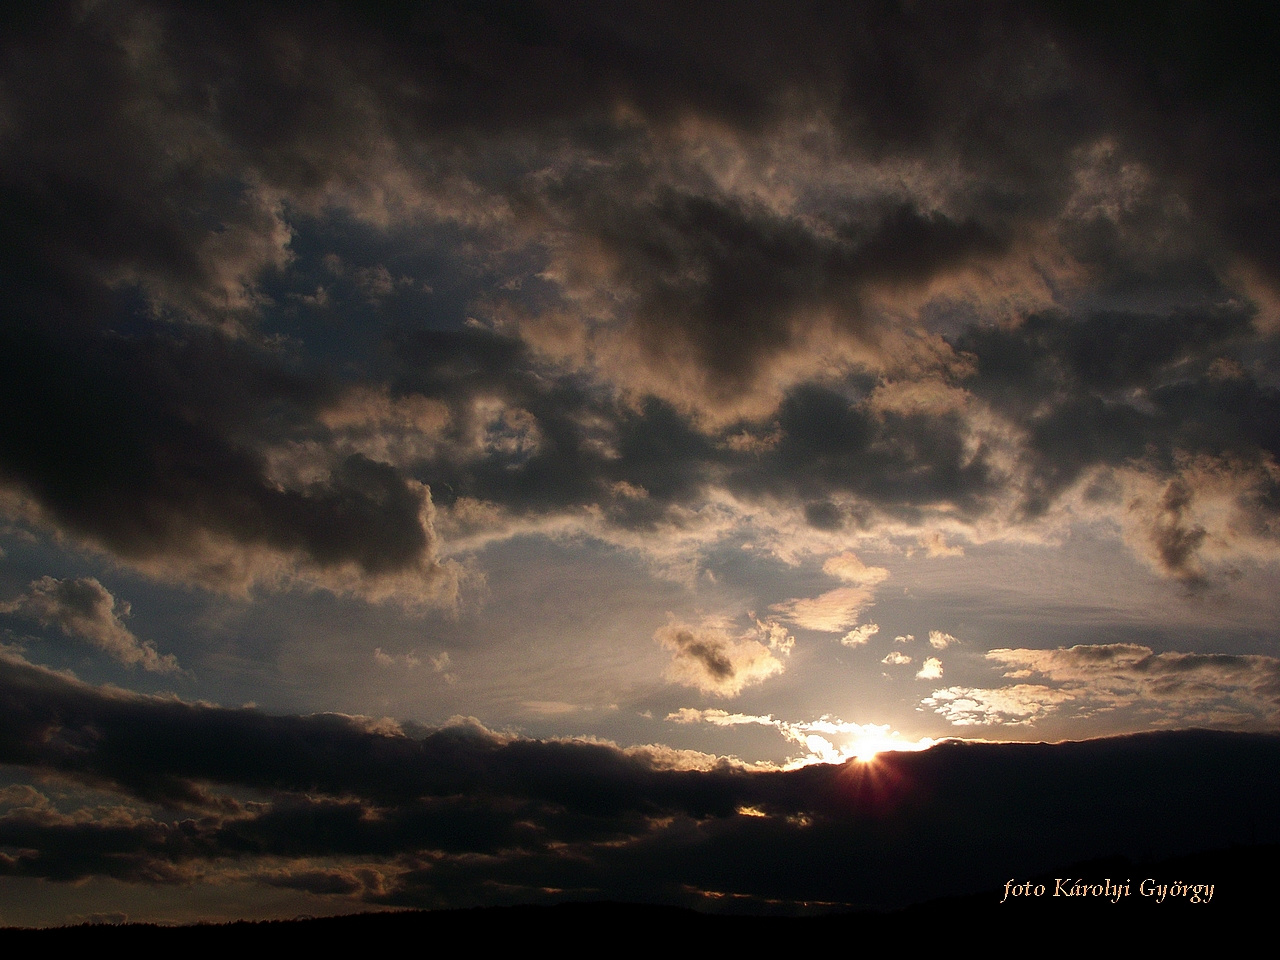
{"type": "Point", "coordinates": [1080, 900]}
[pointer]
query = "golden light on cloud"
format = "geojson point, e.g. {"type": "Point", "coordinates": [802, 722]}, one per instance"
{"type": "Point", "coordinates": [826, 740]}
{"type": "Point", "coordinates": [931, 670]}
{"type": "Point", "coordinates": [874, 740]}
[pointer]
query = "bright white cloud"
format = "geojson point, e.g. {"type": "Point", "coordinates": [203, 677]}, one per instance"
{"type": "Point", "coordinates": [930, 670]}
{"type": "Point", "coordinates": [847, 567]}
{"type": "Point", "coordinates": [1011, 706]}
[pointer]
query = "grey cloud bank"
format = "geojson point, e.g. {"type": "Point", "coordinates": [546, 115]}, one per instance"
{"type": "Point", "coordinates": [438, 819]}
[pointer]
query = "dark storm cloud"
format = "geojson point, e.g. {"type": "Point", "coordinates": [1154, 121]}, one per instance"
{"type": "Point", "coordinates": [152, 447]}
{"type": "Point", "coordinates": [1113, 389]}
{"type": "Point", "coordinates": [417, 812]}
{"type": "Point", "coordinates": [729, 288]}
{"type": "Point", "coordinates": [581, 448]}
{"type": "Point", "coordinates": [1193, 91]}
{"type": "Point", "coordinates": [1103, 390]}
{"type": "Point", "coordinates": [831, 444]}
{"type": "Point", "coordinates": [116, 175]}
{"type": "Point", "coordinates": [642, 464]}
{"type": "Point", "coordinates": [155, 160]}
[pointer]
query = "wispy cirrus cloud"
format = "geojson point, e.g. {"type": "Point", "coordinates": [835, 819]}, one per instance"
{"type": "Point", "coordinates": [838, 609]}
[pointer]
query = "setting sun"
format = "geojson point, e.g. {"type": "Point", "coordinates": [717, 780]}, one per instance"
{"type": "Point", "coordinates": [875, 740]}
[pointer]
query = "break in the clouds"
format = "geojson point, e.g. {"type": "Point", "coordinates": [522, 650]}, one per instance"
{"type": "Point", "coordinates": [86, 610]}
{"type": "Point", "coordinates": [825, 740]}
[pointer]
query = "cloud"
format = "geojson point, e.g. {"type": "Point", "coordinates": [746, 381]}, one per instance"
{"type": "Point", "coordinates": [849, 568]}
{"type": "Point", "coordinates": [714, 662]}
{"type": "Point", "coordinates": [833, 287]}
{"type": "Point", "coordinates": [354, 810]}
{"type": "Point", "coordinates": [825, 740]}
{"type": "Point", "coordinates": [931, 669]}
{"type": "Point", "coordinates": [161, 462]}
{"type": "Point", "coordinates": [838, 609]}
{"type": "Point", "coordinates": [832, 612]}
{"type": "Point", "coordinates": [858, 636]}
{"type": "Point", "coordinates": [84, 608]}
{"type": "Point", "coordinates": [1091, 679]}
{"type": "Point", "coordinates": [896, 659]}
{"type": "Point", "coordinates": [736, 289]}
{"type": "Point", "coordinates": [1020, 703]}
{"type": "Point", "coordinates": [1198, 524]}
{"type": "Point", "coordinates": [940, 641]}
{"type": "Point", "coordinates": [935, 545]}
{"type": "Point", "coordinates": [406, 661]}
{"type": "Point", "coordinates": [1139, 409]}
{"type": "Point", "coordinates": [695, 266]}
{"type": "Point", "coordinates": [718, 717]}
{"type": "Point", "coordinates": [1187, 686]}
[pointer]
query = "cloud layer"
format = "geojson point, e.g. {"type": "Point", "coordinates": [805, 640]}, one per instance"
{"type": "Point", "coordinates": [1168, 688]}
{"type": "Point", "coordinates": [351, 809]}
{"type": "Point", "coordinates": [937, 266]}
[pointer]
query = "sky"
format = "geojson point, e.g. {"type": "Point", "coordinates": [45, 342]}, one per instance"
{"type": "Point", "coordinates": [468, 453]}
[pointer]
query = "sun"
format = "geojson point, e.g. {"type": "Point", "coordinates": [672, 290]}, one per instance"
{"type": "Point", "coordinates": [830, 740]}
{"type": "Point", "coordinates": [871, 740]}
